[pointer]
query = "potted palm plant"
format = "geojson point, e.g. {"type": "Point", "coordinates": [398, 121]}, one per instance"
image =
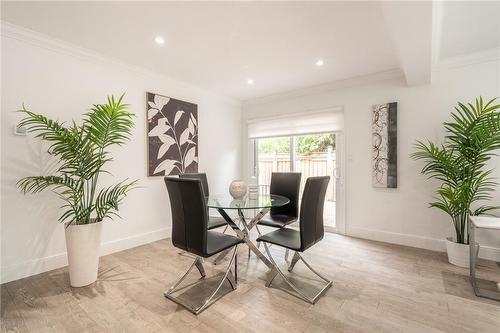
{"type": "Point", "coordinates": [460, 164]}
{"type": "Point", "coordinates": [82, 152]}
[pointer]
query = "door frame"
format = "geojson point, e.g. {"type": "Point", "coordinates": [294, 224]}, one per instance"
{"type": "Point", "coordinates": [339, 178]}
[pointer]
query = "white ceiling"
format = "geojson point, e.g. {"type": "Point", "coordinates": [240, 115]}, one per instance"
{"type": "Point", "coordinates": [219, 45]}
{"type": "Point", "coordinates": [468, 27]}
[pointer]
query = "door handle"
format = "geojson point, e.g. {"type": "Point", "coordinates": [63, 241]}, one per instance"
{"type": "Point", "coordinates": [336, 173]}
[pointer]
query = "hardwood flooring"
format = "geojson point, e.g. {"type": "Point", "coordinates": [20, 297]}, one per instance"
{"type": "Point", "coordinates": [377, 287]}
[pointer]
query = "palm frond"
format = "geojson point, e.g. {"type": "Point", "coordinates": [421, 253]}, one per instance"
{"type": "Point", "coordinates": [109, 123]}
{"type": "Point", "coordinates": [472, 139]}
{"type": "Point", "coordinates": [108, 199]}
{"type": "Point", "coordinates": [82, 154]}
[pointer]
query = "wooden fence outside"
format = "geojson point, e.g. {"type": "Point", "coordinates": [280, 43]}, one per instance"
{"type": "Point", "coordinates": [313, 164]}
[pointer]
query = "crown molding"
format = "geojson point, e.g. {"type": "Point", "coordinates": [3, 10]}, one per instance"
{"type": "Point", "coordinates": [44, 41]}
{"type": "Point", "coordinates": [325, 87]}
{"type": "Point", "coordinates": [467, 60]}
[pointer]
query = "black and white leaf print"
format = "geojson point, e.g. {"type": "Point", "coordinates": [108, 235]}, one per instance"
{"type": "Point", "coordinates": [160, 101]}
{"type": "Point", "coordinates": [166, 166]}
{"type": "Point", "coordinates": [178, 116]}
{"type": "Point", "coordinates": [172, 136]}
{"type": "Point", "coordinates": [152, 112]}
{"type": "Point", "coordinates": [191, 126]}
{"type": "Point", "coordinates": [160, 129]}
{"type": "Point", "coordinates": [193, 119]}
{"type": "Point", "coordinates": [190, 156]}
{"type": "Point", "coordinates": [184, 137]}
{"type": "Point", "coordinates": [168, 141]}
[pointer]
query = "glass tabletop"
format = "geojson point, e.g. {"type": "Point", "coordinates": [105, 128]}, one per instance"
{"type": "Point", "coordinates": [264, 201]}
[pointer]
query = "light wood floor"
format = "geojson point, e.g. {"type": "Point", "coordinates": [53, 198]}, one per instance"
{"type": "Point", "coordinates": [377, 288]}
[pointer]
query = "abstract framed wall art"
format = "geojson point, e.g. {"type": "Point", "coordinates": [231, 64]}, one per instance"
{"type": "Point", "coordinates": [384, 145]}
{"type": "Point", "coordinates": [172, 141]}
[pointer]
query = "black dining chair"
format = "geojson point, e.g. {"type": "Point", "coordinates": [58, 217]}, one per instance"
{"type": "Point", "coordinates": [214, 222]}
{"type": "Point", "coordinates": [310, 232]}
{"type": "Point", "coordinates": [190, 233]}
{"type": "Point", "coordinates": [286, 184]}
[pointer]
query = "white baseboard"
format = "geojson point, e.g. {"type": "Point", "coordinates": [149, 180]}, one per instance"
{"type": "Point", "coordinates": [37, 266]}
{"type": "Point", "coordinates": [485, 252]}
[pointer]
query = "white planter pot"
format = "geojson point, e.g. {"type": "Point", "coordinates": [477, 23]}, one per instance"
{"type": "Point", "coordinates": [83, 243]}
{"type": "Point", "coordinates": [458, 254]}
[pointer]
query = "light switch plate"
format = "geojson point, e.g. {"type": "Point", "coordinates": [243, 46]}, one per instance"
{"type": "Point", "coordinates": [19, 130]}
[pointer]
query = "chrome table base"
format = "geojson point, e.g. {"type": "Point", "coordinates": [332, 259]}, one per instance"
{"type": "Point", "coordinates": [243, 232]}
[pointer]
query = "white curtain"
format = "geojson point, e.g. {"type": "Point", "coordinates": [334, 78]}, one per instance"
{"type": "Point", "coordinates": [323, 121]}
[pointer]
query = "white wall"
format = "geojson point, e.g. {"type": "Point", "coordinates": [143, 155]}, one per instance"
{"type": "Point", "coordinates": [63, 81]}
{"type": "Point", "coordinates": [395, 215]}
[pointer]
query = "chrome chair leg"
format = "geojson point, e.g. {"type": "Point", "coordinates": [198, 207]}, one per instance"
{"type": "Point", "coordinates": [221, 256]}
{"type": "Point", "coordinates": [195, 262]}
{"type": "Point", "coordinates": [299, 293]}
{"type": "Point", "coordinates": [295, 258]}
{"type": "Point", "coordinates": [210, 299]}
{"type": "Point", "coordinates": [286, 254]}
{"type": "Point", "coordinates": [199, 265]}
{"type": "Point", "coordinates": [260, 234]}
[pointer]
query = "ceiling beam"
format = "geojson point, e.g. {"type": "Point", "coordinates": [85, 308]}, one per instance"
{"type": "Point", "coordinates": [410, 26]}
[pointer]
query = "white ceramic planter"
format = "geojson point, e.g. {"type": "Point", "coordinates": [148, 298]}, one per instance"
{"type": "Point", "coordinates": [83, 243]}
{"type": "Point", "coordinates": [458, 254]}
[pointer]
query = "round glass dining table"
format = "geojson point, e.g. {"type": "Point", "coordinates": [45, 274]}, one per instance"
{"type": "Point", "coordinates": [264, 203]}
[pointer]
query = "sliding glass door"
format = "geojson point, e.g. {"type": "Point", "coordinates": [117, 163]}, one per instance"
{"type": "Point", "coordinates": [311, 154]}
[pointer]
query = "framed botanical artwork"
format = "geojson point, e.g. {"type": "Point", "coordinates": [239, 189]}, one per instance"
{"type": "Point", "coordinates": [384, 145]}
{"type": "Point", "coordinates": [172, 127]}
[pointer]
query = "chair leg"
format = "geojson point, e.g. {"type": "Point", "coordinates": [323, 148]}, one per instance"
{"type": "Point", "coordinates": [210, 299]}
{"type": "Point", "coordinates": [199, 265]}
{"type": "Point", "coordinates": [260, 234]}
{"type": "Point", "coordinates": [221, 256]}
{"type": "Point", "coordinates": [299, 294]}
{"type": "Point", "coordinates": [286, 254]}
{"type": "Point", "coordinates": [236, 268]}
{"type": "Point", "coordinates": [295, 258]}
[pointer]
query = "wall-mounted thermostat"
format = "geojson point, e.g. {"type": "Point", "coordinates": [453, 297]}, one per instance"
{"type": "Point", "coordinates": [19, 130]}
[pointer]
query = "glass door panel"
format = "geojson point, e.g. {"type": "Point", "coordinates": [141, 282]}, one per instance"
{"type": "Point", "coordinates": [273, 155]}
{"type": "Point", "coordinates": [314, 155]}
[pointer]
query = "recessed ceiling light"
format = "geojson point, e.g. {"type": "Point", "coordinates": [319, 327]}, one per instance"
{"type": "Point", "coordinates": [159, 40]}
{"type": "Point", "coordinates": [319, 63]}
{"type": "Point", "coordinates": [250, 81]}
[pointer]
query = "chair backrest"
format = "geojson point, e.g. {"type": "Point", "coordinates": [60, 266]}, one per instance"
{"type": "Point", "coordinates": [189, 214]}
{"type": "Point", "coordinates": [311, 211]}
{"type": "Point", "coordinates": [201, 176]}
{"type": "Point", "coordinates": [286, 184]}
